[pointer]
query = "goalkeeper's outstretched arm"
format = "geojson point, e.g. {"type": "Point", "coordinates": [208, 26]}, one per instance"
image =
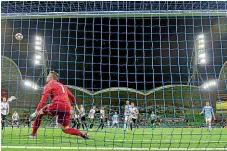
{"type": "Point", "coordinates": [73, 100]}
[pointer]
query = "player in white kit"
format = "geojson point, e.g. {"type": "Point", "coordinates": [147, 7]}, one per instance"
{"type": "Point", "coordinates": [102, 118]}
{"type": "Point", "coordinates": [134, 115]}
{"type": "Point", "coordinates": [83, 118]}
{"type": "Point", "coordinates": [15, 119]}
{"type": "Point", "coordinates": [5, 109]}
{"type": "Point", "coordinates": [91, 116]}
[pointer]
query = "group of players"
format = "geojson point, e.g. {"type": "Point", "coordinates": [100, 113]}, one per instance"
{"type": "Point", "coordinates": [79, 118]}
{"type": "Point", "coordinates": [130, 117]}
{"type": "Point", "coordinates": [62, 99]}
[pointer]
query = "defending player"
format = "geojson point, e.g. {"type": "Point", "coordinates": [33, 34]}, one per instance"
{"type": "Point", "coordinates": [4, 111]}
{"type": "Point", "coordinates": [15, 119]}
{"type": "Point", "coordinates": [91, 116]}
{"type": "Point", "coordinates": [102, 118]}
{"type": "Point", "coordinates": [83, 117]}
{"type": "Point", "coordinates": [153, 119]}
{"type": "Point", "coordinates": [208, 111]}
{"type": "Point", "coordinates": [75, 120]}
{"type": "Point", "coordinates": [127, 114]}
{"type": "Point", "coordinates": [60, 106]}
{"type": "Point", "coordinates": [115, 120]}
{"type": "Point", "coordinates": [134, 116]}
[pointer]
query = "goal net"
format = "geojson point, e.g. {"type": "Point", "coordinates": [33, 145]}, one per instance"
{"type": "Point", "coordinates": [168, 58]}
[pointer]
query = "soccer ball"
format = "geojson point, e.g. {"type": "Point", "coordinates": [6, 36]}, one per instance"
{"type": "Point", "coordinates": [19, 36]}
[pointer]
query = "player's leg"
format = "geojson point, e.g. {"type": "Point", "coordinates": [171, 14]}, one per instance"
{"type": "Point", "coordinates": [47, 110]}
{"type": "Point", "coordinates": [73, 123]}
{"type": "Point", "coordinates": [136, 123]}
{"type": "Point", "coordinates": [78, 124]}
{"type": "Point", "coordinates": [100, 124]}
{"type": "Point", "coordinates": [103, 120]}
{"type": "Point", "coordinates": [83, 121]}
{"type": "Point", "coordinates": [126, 121]}
{"type": "Point", "coordinates": [209, 123]}
{"type": "Point", "coordinates": [36, 124]}
{"type": "Point", "coordinates": [64, 120]}
{"type": "Point", "coordinates": [18, 125]}
{"type": "Point", "coordinates": [3, 121]}
{"type": "Point", "coordinates": [12, 123]}
{"type": "Point", "coordinates": [131, 122]}
{"type": "Point", "coordinates": [113, 123]}
{"type": "Point", "coordinates": [153, 124]}
{"type": "Point", "coordinates": [206, 120]}
{"type": "Point", "coordinates": [92, 123]}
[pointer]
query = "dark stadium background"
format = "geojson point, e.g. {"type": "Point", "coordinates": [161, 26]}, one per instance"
{"type": "Point", "coordinates": [98, 53]}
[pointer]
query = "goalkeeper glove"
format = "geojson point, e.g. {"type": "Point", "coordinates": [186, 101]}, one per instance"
{"type": "Point", "coordinates": [11, 98]}
{"type": "Point", "coordinates": [33, 115]}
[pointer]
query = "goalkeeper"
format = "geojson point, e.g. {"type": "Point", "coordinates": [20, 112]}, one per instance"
{"type": "Point", "coordinates": [60, 106]}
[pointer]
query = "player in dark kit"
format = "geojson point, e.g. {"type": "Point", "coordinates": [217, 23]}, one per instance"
{"type": "Point", "coordinates": [60, 106]}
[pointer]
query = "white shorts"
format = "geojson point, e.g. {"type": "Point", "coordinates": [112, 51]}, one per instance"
{"type": "Point", "coordinates": [91, 117]}
{"type": "Point", "coordinates": [115, 122]}
{"type": "Point", "coordinates": [208, 118]}
{"type": "Point", "coordinates": [127, 118]}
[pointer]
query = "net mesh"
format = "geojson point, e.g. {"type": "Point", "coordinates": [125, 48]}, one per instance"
{"type": "Point", "coordinates": [159, 55]}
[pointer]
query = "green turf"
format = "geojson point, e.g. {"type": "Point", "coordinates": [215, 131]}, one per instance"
{"type": "Point", "coordinates": [140, 138]}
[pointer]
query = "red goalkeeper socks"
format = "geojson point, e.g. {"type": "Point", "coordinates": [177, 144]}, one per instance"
{"type": "Point", "coordinates": [72, 131]}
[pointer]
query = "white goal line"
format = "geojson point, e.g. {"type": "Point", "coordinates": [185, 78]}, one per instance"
{"type": "Point", "coordinates": [117, 140]}
{"type": "Point", "coordinates": [108, 148]}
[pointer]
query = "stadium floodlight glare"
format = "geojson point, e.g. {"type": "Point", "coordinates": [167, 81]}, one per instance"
{"type": "Point", "coordinates": [202, 55]}
{"type": "Point", "coordinates": [200, 46]}
{"type": "Point", "coordinates": [37, 62]}
{"type": "Point", "coordinates": [201, 41]}
{"type": "Point", "coordinates": [38, 43]}
{"type": "Point", "coordinates": [31, 84]}
{"type": "Point", "coordinates": [37, 38]}
{"type": "Point", "coordinates": [201, 36]}
{"type": "Point", "coordinates": [200, 50]}
{"type": "Point", "coordinates": [202, 61]}
{"type": "Point", "coordinates": [209, 84]}
{"type": "Point", "coordinates": [38, 47]}
{"type": "Point", "coordinates": [38, 57]}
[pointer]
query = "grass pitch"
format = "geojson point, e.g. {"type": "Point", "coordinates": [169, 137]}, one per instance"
{"type": "Point", "coordinates": [138, 139]}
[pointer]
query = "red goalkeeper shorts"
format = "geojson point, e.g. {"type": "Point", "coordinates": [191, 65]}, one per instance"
{"type": "Point", "coordinates": [61, 110]}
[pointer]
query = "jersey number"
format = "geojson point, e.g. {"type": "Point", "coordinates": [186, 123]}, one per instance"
{"type": "Point", "coordinates": [63, 90]}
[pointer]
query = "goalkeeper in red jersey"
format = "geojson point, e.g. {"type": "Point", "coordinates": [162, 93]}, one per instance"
{"type": "Point", "coordinates": [61, 106]}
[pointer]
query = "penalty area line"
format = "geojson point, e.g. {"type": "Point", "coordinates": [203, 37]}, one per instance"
{"type": "Point", "coordinates": [110, 148]}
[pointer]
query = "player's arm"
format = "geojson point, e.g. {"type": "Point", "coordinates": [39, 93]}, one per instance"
{"type": "Point", "coordinates": [73, 100]}
{"type": "Point", "coordinates": [43, 100]}
{"type": "Point", "coordinates": [202, 111]}
{"type": "Point", "coordinates": [213, 113]}
{"type": "Point", "coordinates": [7, 110]}
{"type": "Point", "coordinates": [71, 96]}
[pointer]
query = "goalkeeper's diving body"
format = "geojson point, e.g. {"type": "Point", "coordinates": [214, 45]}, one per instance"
{"type": "Point", "coordinates": [61, 106]}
